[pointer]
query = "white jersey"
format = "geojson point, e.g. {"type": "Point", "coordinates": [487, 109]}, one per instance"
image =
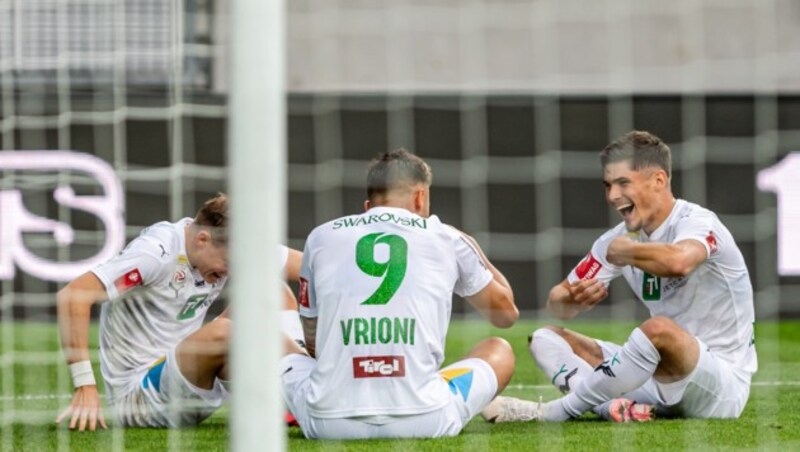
{"type": "Point", "coordinates": [380, 285]}
{"type": "Point", "coordinates": [714, 303]}
{"type": "Point", "coordinates": [158, 299]}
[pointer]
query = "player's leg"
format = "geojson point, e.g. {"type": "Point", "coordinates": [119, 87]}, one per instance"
{"type": "Point", "coordinates": [496, 352]}
{"type": "Point", "coordinates": [714, 389]}
{"type": "Point", "coordinates": [474, 381]}
{"type": "Point", "coordinates": [203, 356]}
{"type": "Point", "coordinates": [295, 369]}
{"type": "Point", "coordinates": [658, 348]}
{"type": "Point", "coordinates": [565, 356]}
{"type": "Point", "coordinates": [678, 349]}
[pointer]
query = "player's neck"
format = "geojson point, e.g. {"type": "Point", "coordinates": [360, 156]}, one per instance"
{"type": "Point", "coordinates": [188, 239]}
{"type": "Point", "coordinates": [661, 216]}
{"type": "Point", "coordinates": [398, 202]}
{"type": "Point", "coordinates": [407, 207]}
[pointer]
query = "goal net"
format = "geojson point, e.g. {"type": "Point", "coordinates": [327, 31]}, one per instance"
{"type": "Point", "coordinates": [114, 116]}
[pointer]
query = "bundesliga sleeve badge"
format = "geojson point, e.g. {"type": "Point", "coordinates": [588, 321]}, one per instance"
{"type": "Point", "coordinates": [128, 281]}
{"type": "Point", "coordinates": [588, 268]}
{"type": "Point", "coordinates": [711, 240]}
{"type": "Point", "coordinates": [302, 297]}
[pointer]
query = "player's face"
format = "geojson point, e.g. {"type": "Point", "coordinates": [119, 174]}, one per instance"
{"type": "Point", "coordinates": [635, 195]}
{"type": "Point", "coordinates": [211, 259]}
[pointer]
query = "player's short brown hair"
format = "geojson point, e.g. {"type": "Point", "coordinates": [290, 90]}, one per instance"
{"type": "Point", "coordinates": [643, 149]}
{"type": "Point", "coordinates": [396, 169]}
{"type": "Point", "coordinates": [214, 217]}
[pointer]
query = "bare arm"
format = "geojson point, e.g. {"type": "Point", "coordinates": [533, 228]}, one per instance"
{"type": "Point", "coordinates": [659, 259]}
{"type": "Point", "coordinates": [293, 265]}
{"type": "Point", "coordinates": [568, 300]}
{"type": "Point", "coordinates": [74, 305]}
{"type": "Point", "coordinates": [310, 334]}
{"type": "Point", "coordinates": [495, 302]}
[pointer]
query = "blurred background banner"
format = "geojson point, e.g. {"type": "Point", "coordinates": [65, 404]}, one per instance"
{"type": "Point", "coordinates": [509, 101]}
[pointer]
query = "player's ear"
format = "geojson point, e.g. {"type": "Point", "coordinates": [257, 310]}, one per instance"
{"type": "Point", "coordinates": [661, 178]}
{"type": "Point", "coordinates": [419, 200]}
{"type": "Point", "coordinates": [367, 205]}
{"type": "Point", "coordinates": [203, 237]}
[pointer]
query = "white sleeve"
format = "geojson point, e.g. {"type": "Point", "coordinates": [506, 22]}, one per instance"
{"type": "Point", "coordinates": [137, 265]}
{"type": "Point", "coordinates": [307, 300]}
{"type": "Point", "coordinates": [473, 275]}
{"type": "Point", "coordinates": [700, 226]}
{"type": "Point", "coordinates": [595, 265]}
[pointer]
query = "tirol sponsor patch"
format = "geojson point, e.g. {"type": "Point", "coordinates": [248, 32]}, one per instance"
{"type": "Point", "coordinates": [588, 268]}
{"type": "Point", "coordinates": [379, 366]}
{"type": "Point", "coordinates": [711, 239]}
{"type": "Point", "coordinates": [302, 296]}
{"type": "Point", "coordinates": [128, 281]}
{"type": "Point", "coordinates": [651, 287]}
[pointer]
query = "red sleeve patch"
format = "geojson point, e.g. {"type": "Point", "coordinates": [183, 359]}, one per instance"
{"type": "Point", "coordinates": [588, 268]}
{"type": "Point", "coordinates": [302, 297]}
{"type": "Point", "coordinates": [711, 239]}
{"type": "Point", "coordinates": [128, 281]}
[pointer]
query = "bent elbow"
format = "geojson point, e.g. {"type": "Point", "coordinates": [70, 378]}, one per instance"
{"type": "Point", "coordinates": [507, 320]}
{"type": "Point", "coordinates": [680, 269]}
{"type": "Point", "coordinates": [508, 315]}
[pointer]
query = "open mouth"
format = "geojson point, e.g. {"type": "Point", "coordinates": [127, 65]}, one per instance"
{"type": "Point", "coordinates": [625, 210]}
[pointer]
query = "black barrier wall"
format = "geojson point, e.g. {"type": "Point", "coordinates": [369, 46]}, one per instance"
{"type": "Point", "coordinates": [519, 172]}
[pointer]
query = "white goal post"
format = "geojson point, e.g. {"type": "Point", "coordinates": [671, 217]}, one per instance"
{"type": "Point", "coordinates": [258, 211]}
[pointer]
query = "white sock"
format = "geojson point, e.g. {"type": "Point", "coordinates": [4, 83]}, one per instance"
{"type": "Point", "coordinates": [290, 324]}
{"type": "Point", "coordinates": [556, 359]}
{"type": "Point", "coordinates": [625, 371]}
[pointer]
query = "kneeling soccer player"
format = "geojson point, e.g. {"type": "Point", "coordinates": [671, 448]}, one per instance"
{"type": "Point", "coordinates": [162, 367]}
{"type": "Point", "coordinates": [375, 301]}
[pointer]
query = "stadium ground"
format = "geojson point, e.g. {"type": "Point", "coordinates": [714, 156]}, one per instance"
{"type": "Point", "coordinates": [771, 420]}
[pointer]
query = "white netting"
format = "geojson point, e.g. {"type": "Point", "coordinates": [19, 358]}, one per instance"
{"type": "Point", "coordinates": [509, 101]}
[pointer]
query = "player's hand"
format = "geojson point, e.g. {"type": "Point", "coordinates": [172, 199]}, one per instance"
{"type": "Point", "coordinates": [619, 251]}
{"type": "Point", "coordinates": [84, 409]}
{"type": "Point", "coordinates": [585, 294]}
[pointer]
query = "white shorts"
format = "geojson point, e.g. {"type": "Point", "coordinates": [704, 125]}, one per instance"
{"type": "Point", "coordinates": [714, 389]}
{"type": "Point", "coordinates": [445, 421]}
{"type": "Point", "coordinates": [162, 397]}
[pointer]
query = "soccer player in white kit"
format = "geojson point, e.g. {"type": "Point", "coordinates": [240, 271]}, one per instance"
{"type": "Point", "coordinates": [695, 356]}
{"type": "Point", "coordinates": [375, 302]}
{"type": "Point", "coordinates": [161, 366]}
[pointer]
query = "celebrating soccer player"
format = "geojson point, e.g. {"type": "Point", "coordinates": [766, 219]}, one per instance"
{"type": "Point", "coordinates": [375, 301]}
{"type": "Point", "coordinates": [162, 367]}
{"type": "Point", "coordinates": [695, 356]}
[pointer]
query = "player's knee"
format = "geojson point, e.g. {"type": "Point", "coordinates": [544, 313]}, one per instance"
{"type": "Point", "coordinates": [543, 333]}
{"type": "Point", "coordinates": [497, 351]}
{"type": "Point", "coordinates": [502, 346]}
{"type": "Point", "coordinates": [220, 331]}
{"type": "Point", "coordinates": [499, 354]}
{"type": "Point", "coordinates": [538, 340]}
{"type": "Point", "coordinates": [660, 330]}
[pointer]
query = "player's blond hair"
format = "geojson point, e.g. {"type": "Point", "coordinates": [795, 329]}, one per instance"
{"type": "Point", "coordinates": [643, 149]}
{"type": "Point", "coordinates": [213, 216]}
{"type": "Point", "coordinates": [396, 170]}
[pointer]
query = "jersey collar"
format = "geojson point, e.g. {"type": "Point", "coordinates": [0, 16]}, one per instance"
{"type": "Point", "coordinates": [658, 234]}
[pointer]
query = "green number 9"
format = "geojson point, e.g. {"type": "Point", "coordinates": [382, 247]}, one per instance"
{"type": "Point", "coordinates": [393, 271]}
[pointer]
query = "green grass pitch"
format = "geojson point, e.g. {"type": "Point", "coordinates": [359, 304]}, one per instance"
{"type": "Point", "coordinates": [34, 384]}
